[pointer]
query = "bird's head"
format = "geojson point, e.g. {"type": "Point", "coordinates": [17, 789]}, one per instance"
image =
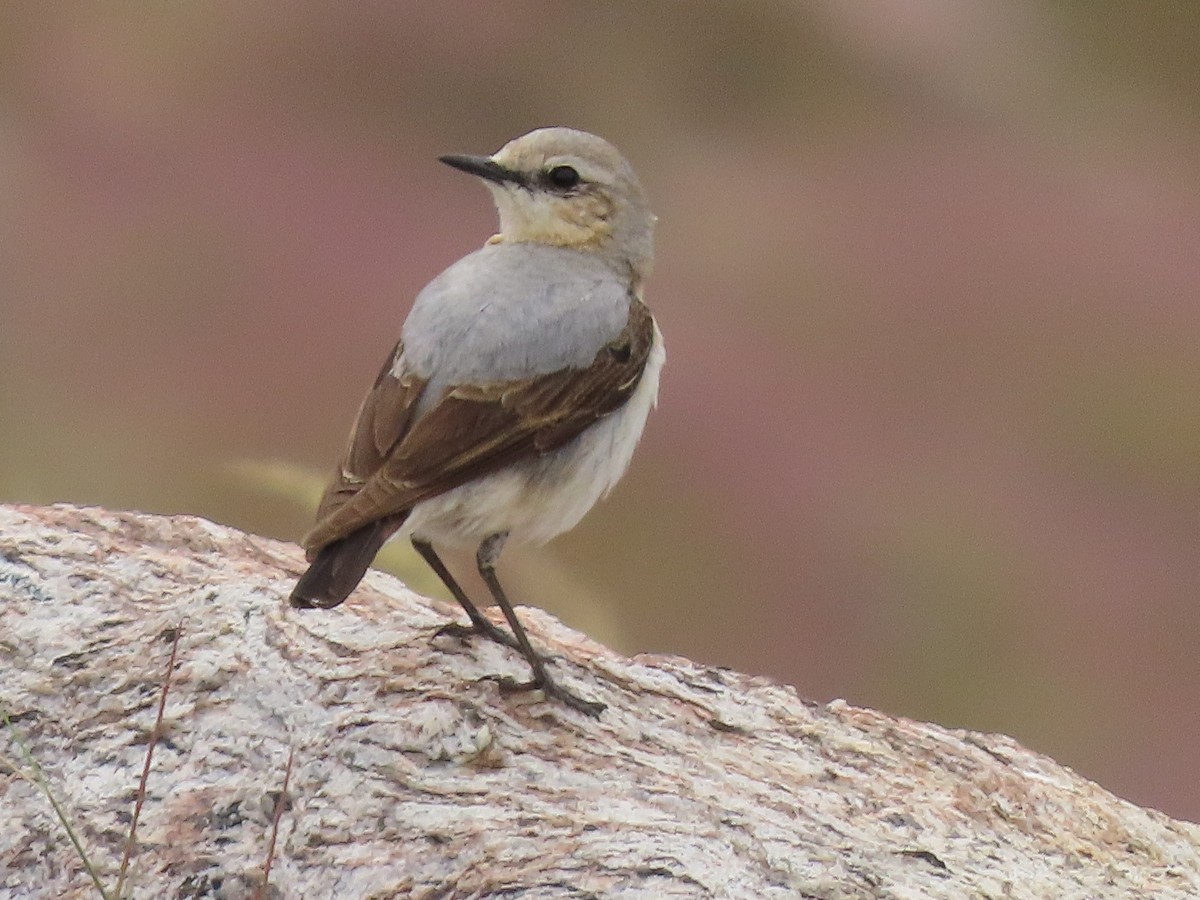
{"type": "Point", "coordinates": [568, 188]}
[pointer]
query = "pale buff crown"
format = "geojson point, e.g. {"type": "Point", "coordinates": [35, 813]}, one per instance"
{"type": "Point", "coordinates": [539, 201]}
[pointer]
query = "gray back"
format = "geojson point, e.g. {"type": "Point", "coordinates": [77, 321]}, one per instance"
{"type": "Point", "coordinates": [509, 311]}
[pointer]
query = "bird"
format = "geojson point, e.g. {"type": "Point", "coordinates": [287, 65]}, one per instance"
{"type": "Point", "coordinates": [517, 393]}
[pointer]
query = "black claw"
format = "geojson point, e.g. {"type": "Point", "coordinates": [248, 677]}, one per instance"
{"type": "Point", "coordinates": [553, 690]}
{"type": "Point", "coordinates": [483, 628]}
{"type": "Point", "coordinates": [455, 630]}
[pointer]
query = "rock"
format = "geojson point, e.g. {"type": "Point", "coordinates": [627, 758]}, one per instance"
{"type": "Point", "coordinates": [413, 776]}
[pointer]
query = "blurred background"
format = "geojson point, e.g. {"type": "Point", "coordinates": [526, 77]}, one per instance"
{"type": "Point", "coordinates": [929, 274]}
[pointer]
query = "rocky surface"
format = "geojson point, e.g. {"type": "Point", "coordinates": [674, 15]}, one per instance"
{"type": "Point", "coordinates": [413, 776]}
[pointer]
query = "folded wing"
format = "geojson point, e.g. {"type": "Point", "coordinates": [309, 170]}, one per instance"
{"type": "Point", "coordinates": [394, 461]}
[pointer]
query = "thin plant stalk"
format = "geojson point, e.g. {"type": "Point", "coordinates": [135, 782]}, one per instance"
{"type": "Point", "coordinates": [280, 803]}
{"type": "Point", "coordinates": [37, 776]}
{"type": "Point", "coordinates": [150, 745]}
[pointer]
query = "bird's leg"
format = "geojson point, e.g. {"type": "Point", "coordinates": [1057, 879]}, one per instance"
{"type": "Point", "coordinates": [480, 624]}
{"type": "Point", "coordinates": [489, 552]}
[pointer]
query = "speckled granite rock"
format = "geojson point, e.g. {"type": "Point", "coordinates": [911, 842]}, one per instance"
{"type": "Point", "coordinates": [414, 777]}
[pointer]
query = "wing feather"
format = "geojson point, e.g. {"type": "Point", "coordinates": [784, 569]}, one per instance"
{"type": "Point", "coordinates": [383, 419]}
{"type": "Point", "coordinates": [393, 462]}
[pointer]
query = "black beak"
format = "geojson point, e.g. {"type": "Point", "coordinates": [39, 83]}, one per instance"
{"type": "Point", "coordinates": [484, 167]}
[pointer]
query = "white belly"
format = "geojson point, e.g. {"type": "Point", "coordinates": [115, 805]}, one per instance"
{"type": "Point", "coordinates": [535, 500]}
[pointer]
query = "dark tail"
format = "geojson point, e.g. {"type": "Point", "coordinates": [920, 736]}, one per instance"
{"type": "Point", "coordinates": [340, 566]}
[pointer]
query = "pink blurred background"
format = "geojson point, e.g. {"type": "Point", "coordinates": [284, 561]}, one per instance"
{"type": "Point", "coordinates": [929, 433]}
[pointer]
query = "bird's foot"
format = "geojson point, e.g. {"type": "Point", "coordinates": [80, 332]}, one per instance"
{"type": "Point", "coordinates": [476, 628]}
{"type": "Point", "coordinates": [552, 689]}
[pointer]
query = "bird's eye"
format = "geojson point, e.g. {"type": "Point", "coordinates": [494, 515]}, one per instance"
{"type": "Point", "coordinates": [563, 177]}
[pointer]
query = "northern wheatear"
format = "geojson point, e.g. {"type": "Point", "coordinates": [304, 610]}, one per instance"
{"type": "Point", "coordinates": [519, 388]}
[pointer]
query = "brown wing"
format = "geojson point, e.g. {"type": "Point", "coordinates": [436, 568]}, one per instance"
{"type": "Point", "coordinates": [382, 421]}
{"type": "Point", "coordinates": [473, 430]}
